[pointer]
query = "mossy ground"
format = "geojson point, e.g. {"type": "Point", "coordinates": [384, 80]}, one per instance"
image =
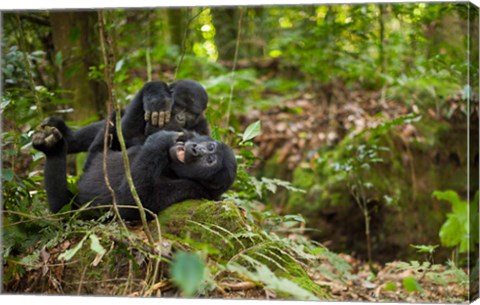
{"type": "Point", "coordinates": [129, 266]}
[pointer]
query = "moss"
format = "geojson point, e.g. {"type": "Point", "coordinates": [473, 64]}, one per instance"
{"type": "Point", "coordinates": [212, 223]}
{"type": "Point", "coordinates": [298, 275]}
{"type": "Point", "coordinates": [218, 225]}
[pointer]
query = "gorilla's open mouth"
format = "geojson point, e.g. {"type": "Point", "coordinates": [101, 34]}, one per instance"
{"type": "Point", "coordinates": [180, 151]}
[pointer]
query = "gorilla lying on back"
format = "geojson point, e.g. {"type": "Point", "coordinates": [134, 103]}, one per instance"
{"type": "Point", "coordinates": [167, 167]}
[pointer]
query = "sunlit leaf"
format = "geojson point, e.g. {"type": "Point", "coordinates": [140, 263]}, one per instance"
{"type": "Point", "coordinates": [424, 248]}
{"type": "Point", "coordinates": [95, 245]}
{"type": "Point", "coordinates": [67, 255]}
{"type": "Point", "coordinates": [251, 131]}
{"type": "Point", "coordinates": [390, 286]}
{"type": "Point", "coordinates": [411, 285]}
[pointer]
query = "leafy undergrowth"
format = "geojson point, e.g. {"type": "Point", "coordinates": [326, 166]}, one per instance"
{"type": "Point", "coordinates": [204, 248]}
{"type": "Point", "coordinates": [208, 249]}
{"type": "Point", "coordinates": [401, 282]}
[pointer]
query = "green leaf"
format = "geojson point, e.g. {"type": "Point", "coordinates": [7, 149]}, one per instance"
{"type": "Point", "coordinates": [119, 64]}
{"type": "Point", "coordinates": [450, 196]}
{"type": "Point", "coordinates": [424, 248]}
{"type": "Point", "coordinates": [411, 285]}
{"type": "Point", "coordinates": [455, 230]}
{"type": "Point", "coordinates": [264, 275]}
{"type": "Point", "coordinates": [251, 131]}
{"type": "Point", "coordinates": [67, 255]}
{"type": "Point", "coordinates": [95, 245]}
{"type": "Point", "coordinates": [390, 286]}
{"type": "Point", "coordinates": [7, 174]}
{"type": "Point", "coordinates": [188, 272]}
{"type": "Point", "coordinates": [450, 232]}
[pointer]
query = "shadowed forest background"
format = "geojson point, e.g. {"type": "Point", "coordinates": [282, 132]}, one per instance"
{"type": "Point", "coordinates": [350, 124]}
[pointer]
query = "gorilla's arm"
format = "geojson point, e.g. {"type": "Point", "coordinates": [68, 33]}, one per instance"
{"type": "Point", "coordinates": [80, 140]}
{"type": "Point", "coordinates": [75, 141]}
{"type": "Point", "coordinates": [49, 140]}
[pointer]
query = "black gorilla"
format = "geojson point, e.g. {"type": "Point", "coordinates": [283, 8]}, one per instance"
{"type": "Point", "coordinates": [167, 166]}
{"type": "Point", "coordinates": [189, 103]}
{"type": "Point", "coordinates": [184, 110]}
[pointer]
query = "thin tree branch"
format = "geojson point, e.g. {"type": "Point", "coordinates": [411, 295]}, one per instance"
{"type": "Point", "coordinates": [109, 61]}
{"type": "Point", "coordinates": [148, 49]}
{"type": "Point", "coordinates": [234, 66]}
{"type": "Point", "coordinates": [108, 121]}
{"type": "Point", "coordinates": [184, 40]}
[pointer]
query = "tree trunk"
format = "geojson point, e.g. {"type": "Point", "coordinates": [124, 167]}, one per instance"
{"type": "Point", "coordinates": [177, 22]}
{"type": "Point", "coordinates": [225, 21]}
{"type": "Point", "coordinates": [75, 39]}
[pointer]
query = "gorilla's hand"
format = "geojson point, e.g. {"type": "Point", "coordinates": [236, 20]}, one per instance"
{"type": "Point", "coordinates": [49, 135]}
{"type": "Point", "coordinates": [157, 104]}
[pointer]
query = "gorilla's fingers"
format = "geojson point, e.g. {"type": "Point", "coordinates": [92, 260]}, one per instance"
{"type": "Point", "coordinates": [161, 119]}
{"type": "Point", "coordinates": [147, 116]}
{"type": "Point", "coordinates": [50, 140]}
{"type": "Point", "coordinates": [48, 136]}
{"type": "Point", "coordinates": [167, 117]}
{"type": "Point", "coordinates": [38, 138]}
{"type": "Point", "coordinates": [154, 118]}
{"type": "Point", "coordinates": [54, 136]}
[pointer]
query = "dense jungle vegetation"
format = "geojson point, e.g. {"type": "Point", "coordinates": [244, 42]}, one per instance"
{"type": "Point", "coordinates": [356, 134]}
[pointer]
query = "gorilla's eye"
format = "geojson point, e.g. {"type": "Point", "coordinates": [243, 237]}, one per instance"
{"type": "Point", "coordinates": [211, 146]}
{"type": "Point", "coordinates": [211, 159]}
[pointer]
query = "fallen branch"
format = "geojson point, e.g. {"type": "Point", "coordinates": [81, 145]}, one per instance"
{"type": "Point", "coordinates": [238, 286]}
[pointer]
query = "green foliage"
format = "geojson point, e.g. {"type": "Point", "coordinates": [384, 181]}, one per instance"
{"type": "Point", "coordinates": [390, 286]}
{"type": "Point", "coordinates": [438, 274]}
{"type": "Point", "coordinates": [13, 67]}
{"type": "Point", "coordinates": [261, 273]}
{"type": "Point", "coordinates": [69, 254]}
{"type": "Point", "coordinates": [410, 284]}
{"type": "Point", "coordinates": [424, 248]}
{"type": "Point", "coordinates": [455, 232]}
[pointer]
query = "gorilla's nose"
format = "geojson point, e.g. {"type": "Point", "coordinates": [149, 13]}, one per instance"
{"type": "Point", "coordinates": [197, 149]}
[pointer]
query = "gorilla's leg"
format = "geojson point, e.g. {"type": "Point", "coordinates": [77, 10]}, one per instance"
{"type": "Point", "coordinates": [50, 140]}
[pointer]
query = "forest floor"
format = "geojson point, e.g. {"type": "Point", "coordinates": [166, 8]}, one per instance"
{"type": "Point", "coordinates": [299, 126]}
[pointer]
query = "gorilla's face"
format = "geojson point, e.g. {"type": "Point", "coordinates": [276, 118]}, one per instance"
{"type": "Point", "coordinates": [203, 159]}
{"type": "Point", "coordinates": [189, 102]}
